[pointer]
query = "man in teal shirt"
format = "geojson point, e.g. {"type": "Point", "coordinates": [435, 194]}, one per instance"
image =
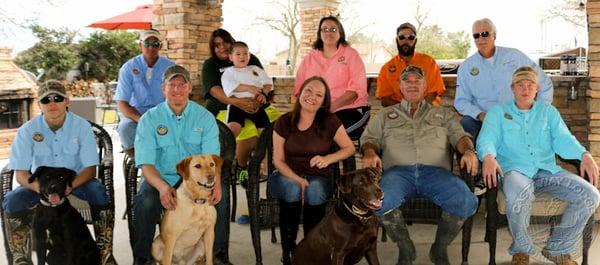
{"type": "Point", "coordinates": [519, 141]}
{"type": "Point", "coordinates": [166, 134]}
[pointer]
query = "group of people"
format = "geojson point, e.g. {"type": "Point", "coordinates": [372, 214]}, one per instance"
{"type": "Point", "coordinates": [508, 123]}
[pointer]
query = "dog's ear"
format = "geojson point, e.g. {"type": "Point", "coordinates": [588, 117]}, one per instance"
{"type": "Point", "coordinates": [183, 167]}
{"type": "Point", "coordinates": [375, 173]}
{"type": "Point", "coordinates": [36, 174]}
{"type": "Point", "coordinates": [218, 163]}
{"type": "Point", "coordinates": [69, 176]}
{"type": "Point", "coordinates": [344, 183]}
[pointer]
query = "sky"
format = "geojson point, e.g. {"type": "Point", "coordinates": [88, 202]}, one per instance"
{"type": "Point", "coordinates": [520, 27]}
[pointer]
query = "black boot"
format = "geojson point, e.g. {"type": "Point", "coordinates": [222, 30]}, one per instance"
{"type": "Point", "coordinates": [313, 214]}
{"type": "Point", "coordinates": [395, 226]}
{"type": "Point", "coordinates": [289, 219]}
{"type": "Point", "coordinates": [448, 228]}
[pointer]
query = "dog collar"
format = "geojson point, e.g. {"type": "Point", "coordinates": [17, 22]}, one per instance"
{"type": "Point", "coordinates": [361, 214]}
{"type": "Point", "coordinates": [196, 201]}
{"type": "Point", "coordinates": [45, 203]}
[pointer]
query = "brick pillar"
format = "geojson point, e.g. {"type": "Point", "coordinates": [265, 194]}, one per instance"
{"type": "Point", "coordinates": [311, 11]}
{"type": "Point", "coordinates": [593, 12]}
{"type": "Point", "coordinates": [186, 26]}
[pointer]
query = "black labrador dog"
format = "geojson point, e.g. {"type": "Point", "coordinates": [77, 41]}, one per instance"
{"type": "Point", "coordinates": [70, 241]}
{"type": "Point", "coordinates": [348, 232]}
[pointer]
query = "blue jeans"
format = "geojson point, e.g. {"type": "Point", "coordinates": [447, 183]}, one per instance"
{"type": "Point", "coordinates": [400, 183]}
{"type": "Point", "coordinates": [472, 126]}
{"type": "Point", "coordinates": [319, 190]}
{"type": "Point", "coordinates": [148, 209]}
{"type": "Point", "coordinates": [126, 130]}
{"type": "Point", "coordinates": [583, 199]}
{"type": "Point", "coordinates": [21, 199]}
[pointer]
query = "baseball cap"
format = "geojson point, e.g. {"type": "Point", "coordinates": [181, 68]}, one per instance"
{"type": "Point", "coordinates": [51, 87]}
{"type": "Point", "coordinates": [412, 70]}
{"type": "Point", "coordinates": [406, 26]}
{"type": "Point", "coordinates": [174, 71]}
{"type": "Point", "coordinates": [149, 33]}
{"type": "Point", "coordinates": [524, 73]}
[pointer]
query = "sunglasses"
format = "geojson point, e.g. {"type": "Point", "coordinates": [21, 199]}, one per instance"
{"type": "Point", "coordinates": [409, 37]}
{"type": "Point", "coordinates": [484, 34]}
{"type": "Point", "coordinates": [154, 44]}
{"type": "Point", "coordinates": [329, 30]}
{"type": "Point", "coordinates": [52, 98]}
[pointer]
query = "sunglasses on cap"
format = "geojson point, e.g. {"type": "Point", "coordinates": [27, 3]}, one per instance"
{"type": "Point", "coordinates": [484, 34]}
{"type": "Point", "coordinates": [409, 37]}
{"type": "Point", "coordinates": [154, 44]}
{"type": "Point", "coordinates": [52, 98]}
{"type": "Point", "coordinates": [329, 30]}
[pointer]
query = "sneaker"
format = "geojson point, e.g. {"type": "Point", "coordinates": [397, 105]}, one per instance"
{"type": "Point", "coordinates": [520, 259]}
{"type": "Point", "coordinates": [243, 178]}
{"type": "Point", "coordinates": [244, 219]}
{"type": "Point", "coordinates": [479, 187]}
{"type": "Point", "coordinates": [562, 259]}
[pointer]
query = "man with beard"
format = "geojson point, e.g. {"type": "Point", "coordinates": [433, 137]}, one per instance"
{"type": "Point", "coordinates": [388, 82]}
{"type": "Point", "coordinates": [484, 78]}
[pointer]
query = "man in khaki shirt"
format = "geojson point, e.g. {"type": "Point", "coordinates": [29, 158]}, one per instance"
{"type": "Point", "coordinates": [414, 138]}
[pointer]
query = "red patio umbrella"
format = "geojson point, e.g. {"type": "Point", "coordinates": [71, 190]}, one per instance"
{"type": "Point", "coordinates": [140, 18]}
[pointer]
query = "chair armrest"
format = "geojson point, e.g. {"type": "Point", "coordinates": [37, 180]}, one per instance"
{"type": "Point", "coordinates": [5, 181]}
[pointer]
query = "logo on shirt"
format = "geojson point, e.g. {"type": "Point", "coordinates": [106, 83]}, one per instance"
{"type": "Point", "coordinates": [254, 73]}
{"type": "Point", "coordinates": [392, 115]}
{"type": "Point", "coordinates": [38, 137]}
{"type": "Point", "coordinates": [474, 71]}
{"type": "Point", "coordinates": [162, 130]}
{"type": "Point", "coordinates": [136, 71]}
{"type": "Point", "coordinates": [507, 116]}
{"type": "Point", "coordinates": [342, 59]}
{"type": "Point", "coordinates": [392, 68]}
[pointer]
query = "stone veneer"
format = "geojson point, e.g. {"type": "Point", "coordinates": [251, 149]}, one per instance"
{"type": "Point", "coordinates": [593, 92]}
{"type": "Point", "coordinates": [311, 12]}
{"type": "Point", "coordinates": [186, 26]}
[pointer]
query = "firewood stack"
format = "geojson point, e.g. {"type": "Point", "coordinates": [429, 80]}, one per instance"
{"type": "Point", "coordinates": [90, 88]}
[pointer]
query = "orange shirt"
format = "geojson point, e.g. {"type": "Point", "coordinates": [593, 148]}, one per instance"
{"type": "Point", "coordinates": [388, 81]}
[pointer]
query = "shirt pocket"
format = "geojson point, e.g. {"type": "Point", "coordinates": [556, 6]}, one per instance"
{"type": "Point", "coordinates": [512, 134]}
{"type": "Point", "coordinates": [41, 150]}
{"type": "Point", "coordinates": [193, 142]}
{"type": "Point", "coordinates": [166, 146]}
{"type": "Point", "coordinates": [436, 137]}
{"type": "Point", "coordinates": [140, 93]}
{"type": "Point", "coordinates": [545, 137]}
{"type": "Point", "coordinates": [71, 155]}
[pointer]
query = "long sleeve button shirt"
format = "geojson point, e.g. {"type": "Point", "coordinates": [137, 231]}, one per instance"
{"type": "Point", "coordinates": [134, 86]}
{"type": "Point", "coordinates": [481, 83]}
{"type": "Point", "coordinates": [423, 139]}
{"type": "Point", "coordinates": [527, 141]}
{"type": "Point", "coordinates": [344, 71]}
{"type": "Point", "coordinates": [163, 139]}
{"type": "Point", "coordinates": [72, 146]}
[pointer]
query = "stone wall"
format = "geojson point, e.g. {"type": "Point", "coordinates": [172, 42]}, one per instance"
{"type": "Point", "coordinates": [593, 12]}
{"type": "Point", "coordinates": [311, 12]}
{"type": "Point", "coordinates": [574, 112]}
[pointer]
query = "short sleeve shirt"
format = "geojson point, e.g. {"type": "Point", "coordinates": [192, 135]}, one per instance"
{"type": "Point", "coordinates": [249, 75]}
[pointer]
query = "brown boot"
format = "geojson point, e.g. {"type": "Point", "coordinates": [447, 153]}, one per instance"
{"type": "Point", "coordinates": [520, 259]}
{"type": "Point", "coordinates": [18, 237]}
{"type": "Point", "coordinates": [562, 259]}
{"type": "Point", "coordinates": [103, 229]}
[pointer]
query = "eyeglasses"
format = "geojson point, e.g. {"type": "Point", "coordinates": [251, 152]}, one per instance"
{"type": "Point", "coordinates": [173, 86]}
{"type": "Point", "coordinates": [154, 44]}
{"type": "Point", "coordinates": [484, 34]}
{"type": "Point", "coordinates": [409, 37]}
{"type": "Point", "coordinates": [329, 30]}
{"type": "Point", "coordinates": [52, 98]}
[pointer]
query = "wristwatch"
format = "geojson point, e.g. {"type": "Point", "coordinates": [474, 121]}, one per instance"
{"type": "Point", "coordinates": [470, 150]}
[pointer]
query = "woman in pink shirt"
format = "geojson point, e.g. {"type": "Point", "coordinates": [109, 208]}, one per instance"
{"type": "Point", "coordinates": [341, 66]}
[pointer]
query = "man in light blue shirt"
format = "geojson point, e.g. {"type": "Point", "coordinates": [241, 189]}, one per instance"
{"type": "Point", "coordinates": [519, 141]}
{"type": "Point", "coordinates": [139, 85]}
{"type": "Point", "coordinates": [168, 133]}
{"type": "Point", "coordinates": [57, 138]}
{"type": "Point", "coordinates": [483, 78]}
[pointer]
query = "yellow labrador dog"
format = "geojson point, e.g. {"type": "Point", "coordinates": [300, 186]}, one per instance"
{"type": "Point", "coordinates": [188, 232]}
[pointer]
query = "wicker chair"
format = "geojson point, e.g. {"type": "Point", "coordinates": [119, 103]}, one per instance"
{"type": "Point", "coordinates": [104, 173]}
{"type": "Point", "coordinates": [227, 142]}
{"type": "Point", "coordinates": [496, 215]}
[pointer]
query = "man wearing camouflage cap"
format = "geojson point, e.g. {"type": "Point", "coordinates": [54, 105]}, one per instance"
{"type": "Point", "coordinates": [166, 134]}
{"type": "Point", "coordinates": [413, 138]}
{"type": "Point", "coordinates": [57, 138]}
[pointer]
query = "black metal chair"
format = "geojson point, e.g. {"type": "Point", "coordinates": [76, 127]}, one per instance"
{"type": "Point", "coordinates": [132, 176]}
{"type": "Point", "coordinates": [104, 173]}
{"type": "Point", "coordinates": [497, 215]}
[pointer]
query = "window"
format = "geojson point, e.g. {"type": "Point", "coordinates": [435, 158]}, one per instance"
{"type": "Point", "coordinates": [13, 113]}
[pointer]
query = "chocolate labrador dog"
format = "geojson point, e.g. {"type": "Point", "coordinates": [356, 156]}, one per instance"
{"type": "Point", "coordinates": [348, 232]}
{"type": "Point", "coordinates": [70, 241]}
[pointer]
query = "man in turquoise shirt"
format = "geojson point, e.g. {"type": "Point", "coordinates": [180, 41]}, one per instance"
{"type": "Point", "coordinates": [166, 134]}
{"type": "Point", "coordinates": [519, 141]}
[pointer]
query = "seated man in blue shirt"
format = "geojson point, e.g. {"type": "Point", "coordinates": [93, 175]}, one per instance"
{"type": "Point", "coordinates": [519, 141]}
{"type": "Point", "coordinates": [57, 138]}
{"type": "Point", "coordinates": [166, 134]}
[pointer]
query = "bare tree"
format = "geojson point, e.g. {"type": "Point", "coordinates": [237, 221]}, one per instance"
{"type": "Point", "coordinates": [11, 21]}
{"type": "Point", "coordinates": [285, 20]}
{"type": "Point", "coordinates": [571, 11]}
{"type": "Point", "coordinates": [420, 15]}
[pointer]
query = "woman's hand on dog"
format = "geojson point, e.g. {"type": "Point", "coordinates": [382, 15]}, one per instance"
{"type": "Point", "coordinates": [168, 197]}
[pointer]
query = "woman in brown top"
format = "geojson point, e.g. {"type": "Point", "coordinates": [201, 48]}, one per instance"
{"type": "Point", "coordinates": [303, 141]}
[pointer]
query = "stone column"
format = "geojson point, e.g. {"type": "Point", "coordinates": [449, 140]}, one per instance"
{"type": "Point", "coordinates": [593, 12]}
{"type": "Point", "coordinates": [186, 26]}
{"type": "Point", "coordinates": [311, 11]}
